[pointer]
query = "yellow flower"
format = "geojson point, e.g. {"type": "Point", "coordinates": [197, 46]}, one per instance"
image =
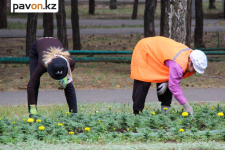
{"type": "Point", "coordinates": [81, 109]}
{"type": "Point", "coordinates": [182, 108]}
{"type": "Point", "coordinates": [220, 114]}
{"type": "Point", "coordinates": [128, 129]}
{"type": "Point", "coordinates": [110, 107]}
{"type": "Point", "coordinates": [153, 113]}
{"type": "Point", "coordinates": [57, 119]}
{"type": "Point", "coordinates": [67, 113]}
{"type": "Point", "coordinates": [14, 122]}
{"type": "Point", "coordinates": [118, 86]}
{"type": "Point", "coordinates": [71, 133]}
{"type": "Point", "coordinates": [30, 120]}
{"type": "Point", "coordinates": [180, 122]}
{"type": "Point", "coordinates": [184, 113]}
{"type": "Point", "coordinates": [181, 130]}
{"type": "Point", "coordinates": [60, 124]}
{"type": "Point", "coordinates": [38, 120]}
{"type": "Point", "coordinates": [114, 129]}
{"type": "Point", "coordinates": [0, 118]}
{"type": "Point", "coordinates": [139, 112]}
{"type": "Point", "coordinates": [212, 107]}
{"type": "Point", "coordinates": [165, 108]}
{"type": "Point", "coordinates": [87, 129]}
{"type": "Point", "coordinates": [99, 121]}
{"type": "Point", "coordinates": [41, 128]}
{"type": "Point", "coordinates": [146, 107]}
{"type": "Point", "coordinates": [24, 120]}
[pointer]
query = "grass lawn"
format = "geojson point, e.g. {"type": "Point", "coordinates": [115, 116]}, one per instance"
{"type": "Point", "coordinates": [135, 138]}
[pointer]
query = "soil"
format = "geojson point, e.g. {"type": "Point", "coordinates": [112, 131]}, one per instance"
{"type": "Point", "coordinates": [103, 75]}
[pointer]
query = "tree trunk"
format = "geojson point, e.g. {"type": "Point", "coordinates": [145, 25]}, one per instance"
{"type": "Point", "coordinates": [61, 24]}
{"type": "Point", "coordinates": [48, 24]}
{"type": "Point", "coordinates": [149, 29]}
{"type": "Point", "coordinates": [113, 4]}
{"type": "Point", "coordinates": [223, 9]}
{"type": "Point", "coordinates": [91, 7]}
{"type": "Point", "coordinates": [75, 25]}
{"type": "Point", "coordinates": [198, 40]}
{"type": "Point", "coordinates": [135, 9]}
{"type": "Point", "coordinates": [175, 20]}
{"type": "Point", "coordinates": [189, 14]}
{"type": "Point", "coordinates": [3, 14]}
{"type": "Point", "coordinates": [31, 31]}
{"type": "Point", "coordinates": [162, 18]}
{"type": "Point", "coordinates": [212, 4]}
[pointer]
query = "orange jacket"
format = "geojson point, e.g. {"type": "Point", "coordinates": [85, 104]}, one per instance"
{"type": "Point", "coordinates": [148, 58]}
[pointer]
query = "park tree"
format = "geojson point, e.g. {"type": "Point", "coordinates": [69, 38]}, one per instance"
{"type": "Point", "coordinates": [224, 9]}
{"type": "Point", "coordinates": [91, 6]}
{"type": "Point", "coordinates": [212, 4]}
{"type": "Point", "coordinates": [31, 31]}
{"type": "Point", "coordinates": [162, 18]}
{"type": "Point", "coordinates": [149, 29]}
{"type": "Point", "coordinates": [75, 25]}
{"type": "Point", "coordinates": [135, 9]}
{"type": "Point", "coordinates": [3, 14]}
{"type": "Point", "coordinates": [177, 20]}
{"type": "Point", "coordinates": [198, 38]}
{"type": "Point", "coordinates": [48, 24]}
{"type": "Point", "coordinates": [113, 4]}
{"type": "Point", "coordinates": [61, 24]}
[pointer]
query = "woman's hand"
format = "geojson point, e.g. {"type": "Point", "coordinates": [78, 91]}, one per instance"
{"type": "Point", "coordinates": [63, 83]}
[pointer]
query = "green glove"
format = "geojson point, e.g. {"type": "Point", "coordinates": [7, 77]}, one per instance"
{"type": "Point", "coordinates": [63, 83]}
{"type": "Point", "coordinates": [33, 110]}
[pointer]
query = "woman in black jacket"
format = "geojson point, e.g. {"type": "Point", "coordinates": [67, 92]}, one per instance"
{"type": "Point", "coordinates": [48, 55]}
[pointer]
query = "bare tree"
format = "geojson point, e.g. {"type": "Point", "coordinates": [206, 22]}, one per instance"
{"type": "Point", "coordinates": [91, 7]}
{"type": "Point", "coordinates": [135, 9]}
{"type": "Point", "coordinates": [212, 4]}
{"type": "Point", "coordinates": [224, 9]}
{"type": "Point", "coordinates": [188, 17]}
{"type": "Point", "coordinates": [31, 31]}
{"type": "Point", "coordinates": [149, 29]}
{"type": "Point", "coordinates": [162, 18]}
{"type": "Point", "coordinates": [75, 25]}
{"type": "Point", "coordinates": [61, 24]}
{"type": "Point", "coordinates": [48, 24]}
{"type": "Point", "coordinates": [198, 40]}
{"type": "Point", "coordinates": [113, 4]}
{"type": "Point", "coordinates": [176, 20]}
{"type": "Point", "coordinates": [3, 14]}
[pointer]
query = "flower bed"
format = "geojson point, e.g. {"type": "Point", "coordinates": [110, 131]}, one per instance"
{"type": "Point", "coordinates": [207, 124]}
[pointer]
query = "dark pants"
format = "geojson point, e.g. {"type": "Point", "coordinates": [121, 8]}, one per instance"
{"type": "Point", "coordinates": [69, 91]}
{"type": "Point", "coordinates": [140, 91]}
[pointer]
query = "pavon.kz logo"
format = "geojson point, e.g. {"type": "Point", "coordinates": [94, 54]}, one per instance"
{"type": "Point", "coordinates": [34, 6]}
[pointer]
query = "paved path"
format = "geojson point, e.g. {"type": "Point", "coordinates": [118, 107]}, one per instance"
{"type": "Point", "coordinates": [126, 31]}
{"type": "Point", "coordinates": [100, 31]}
{"type": "Point", "coordinates": [207, 22]}
{"type": "Point", "coordinates": [107, 96]}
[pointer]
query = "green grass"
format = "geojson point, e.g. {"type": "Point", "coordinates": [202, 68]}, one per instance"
{"type": "Point", "coordinates": [17, 113]}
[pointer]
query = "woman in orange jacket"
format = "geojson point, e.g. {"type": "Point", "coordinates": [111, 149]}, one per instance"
{"type": "Point", "coordinates": [163, 61]}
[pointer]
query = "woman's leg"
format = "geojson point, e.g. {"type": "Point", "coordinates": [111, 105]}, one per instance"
{"type": "Point", "coordinates": [33, 62]}
{"type": "Point", "coordinates": [140, 91]}
{"type": "Point", "coordinates": [71, 97]}
{"type": "Point", "coordinates": [166, 98]}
